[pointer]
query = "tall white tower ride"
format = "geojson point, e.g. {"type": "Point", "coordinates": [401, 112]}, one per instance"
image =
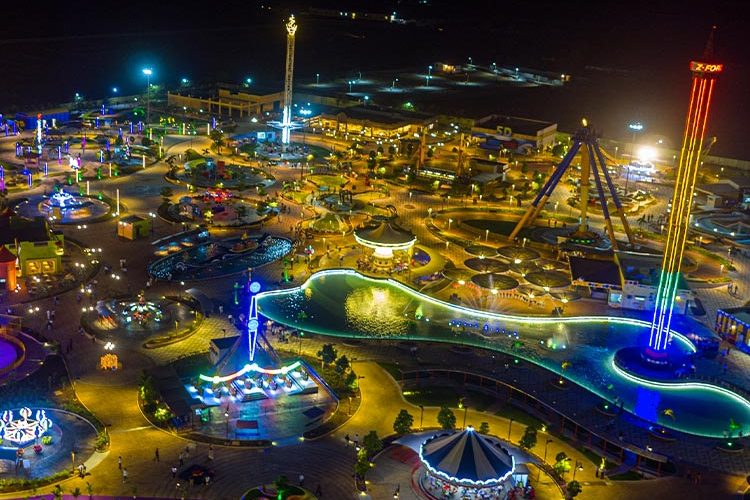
{"type": "Point", "coordinates": [286, 120]}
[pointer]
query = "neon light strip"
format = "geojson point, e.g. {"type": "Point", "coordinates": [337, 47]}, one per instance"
{"type": "Point", "coordinates": [251, 368]}
{"type": "Point", "coordinates": [393, 246]}
{"type": "Point", "coordinates": [475, 312]}
{"type": "Point", "coordinates": [695, 128]}
{"type": "Point", "coordinates": [678, 385]}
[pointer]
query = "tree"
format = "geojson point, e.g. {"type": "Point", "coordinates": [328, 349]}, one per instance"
{"type": "Point", "coordinates": [484, 428]}
{"type": "Point", "coordinates": [528, 440]}
{"type": "Point", "coordinates": [166, 193]}
{"type": "Point", "coordinates": [75, 492]}
{"type": "Point", "coordinates": [327, 354]}
{"type": "Point", "coordinates": [404, 421]}
{"type": "Point", "coordinates": [362, 466]}
{"type": "Point", "coordinates": [446, 418]}
{"type": "Point", "coordinates": [392, 150]}
{"type": "Point", "coordinates": [574, 488]}
{"type": "Point", "coordinates": [342, 364]}
{"type": "Point", "coordinates": [89, 489]}
{"type": "Point", "coordinates": [217, 137]}
{"type": "Point", "coordinates": [372, 443]}
{"type": "Point", "coordinates": [562, 463]}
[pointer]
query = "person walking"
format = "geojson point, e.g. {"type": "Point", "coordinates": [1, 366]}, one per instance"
{"type": "Point", "coordinates": [124, 475]}
{"type": "Point", "coordinates": [156, 455]}
{"type": "Point", "coordinates": [301, 479]}
{"type": "Point", "coordinates": [174, 472]}
{"type": "Point", "coordinates": [210, 452]}
{"type": "Point", "coordinates": [119, 462]}
{"type": "Point", "coordinates": [182, 459]}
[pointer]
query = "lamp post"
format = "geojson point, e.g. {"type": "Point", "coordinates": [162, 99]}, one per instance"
{"type": "Point", "coordinates": [148, 72]}
{"type": "Point", "coordinates": [429, 71]}
{"type": "Point", "coordinates": [393, 83]}
{"type": "Point", "coordinates": [226, 419]}
{"type": "Point", "coordinates": [510, 424]}
{"type": "Point", "coordinates": [317, 78]}
{"type": "Point", "coordinates": [579, 466]}
{"type": "Point", "coordinates": [421, 416]}
{"type": "Point", "coordinates": [350, 82]}
{"type": "Point", "coordinates": [544, 460]}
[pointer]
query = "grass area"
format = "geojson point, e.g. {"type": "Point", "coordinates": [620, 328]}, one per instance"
{"type": "Point", "coordinates": [433, 396]}
{"type": "Point", "coordinates": [393, 369]}
{"type": "Point", "coordinates": [446, 396]}
{"type": "Point", "coordinates": [297, 196]}
{"type": "Point", "coordinates": [518, 415]}
{"type": "Point", "coordinates": [327, 180]}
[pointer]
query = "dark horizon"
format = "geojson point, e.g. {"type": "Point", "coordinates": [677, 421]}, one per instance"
{"type": "Point", "coordinates": [632, 59]}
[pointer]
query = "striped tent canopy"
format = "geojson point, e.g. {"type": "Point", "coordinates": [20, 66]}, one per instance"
{"type": "Point", "coordinates": [467, 459]}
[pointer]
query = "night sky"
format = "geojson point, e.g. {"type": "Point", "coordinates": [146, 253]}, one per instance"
{"type": "Point", "coordinates": [629, 58]}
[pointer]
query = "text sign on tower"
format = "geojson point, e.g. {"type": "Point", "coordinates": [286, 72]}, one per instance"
{"type": "Point", "coordinates": [701, 67]}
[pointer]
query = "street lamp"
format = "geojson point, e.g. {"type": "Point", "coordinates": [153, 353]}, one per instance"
{"type": "Point", "coordinates": [579, 466]}
{"type": "Point", "coordinates": [317, 78]}
{"type": "Point", "coordinates": [510, 424]}
{"type": "Point", "coordinates": [148, 72]}
{"type": "Point", "coordinates": [429, 71]}
{"type": "Point", "coordinates": [544, 460]}
{"type": "Point", "coordinates": [393, 83]}
{"type": "Point", "coordinates": [350, 82]}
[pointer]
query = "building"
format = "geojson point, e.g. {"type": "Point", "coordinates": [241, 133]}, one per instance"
{"type": "Point", "coordinates": [602, 278]}
{"type": "Point", "coordinates": [729, 192]}
{"type": "Point", "coordinates": [733, 325]}
{"type": "Point", "coordinates": [372, 122]}
{"type": "Point", "coordinates": [7, 269]}
{"type": "Point", "coordinates": [224, 102]}
{"type": "Point", "coordinates": [39, 250]}
{"type": "Point", "coordinates": [496, 132]}
{"type": "Point", "coordinates": [641, 274]}
{"type": "Point", "coordinates": [133, 227]}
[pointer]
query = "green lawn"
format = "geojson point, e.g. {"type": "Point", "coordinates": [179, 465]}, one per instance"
{"type": "Point", "coordinates": [327, 180]}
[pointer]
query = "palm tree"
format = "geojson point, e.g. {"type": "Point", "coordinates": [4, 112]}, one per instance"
{"type": "Point", "coordinates": [217, 136]}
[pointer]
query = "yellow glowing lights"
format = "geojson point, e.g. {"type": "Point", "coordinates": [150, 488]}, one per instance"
{"type": "Point", "coordinates": [647, 154]}
{"type": "Point", "coordinates": [291, 25]}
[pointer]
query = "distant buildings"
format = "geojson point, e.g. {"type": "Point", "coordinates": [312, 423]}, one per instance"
{"type": "Point", "coordinates": [513, 133]}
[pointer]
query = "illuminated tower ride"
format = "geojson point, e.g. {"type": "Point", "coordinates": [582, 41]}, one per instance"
{"type": "Point", "coordinates": [286, 119]}
{"type": "Point", "coordinates": [701, 91]}
{"type": "Point", "coordinates": [593, 164]}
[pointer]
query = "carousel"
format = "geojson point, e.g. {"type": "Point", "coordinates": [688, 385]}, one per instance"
{"type": "Point", "coordinates": [392, 246]}
{"type": "Point", "coordinates": [469, 465]}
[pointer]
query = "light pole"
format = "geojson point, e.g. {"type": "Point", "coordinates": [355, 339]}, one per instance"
{"type": "Point", "coordinates": [579, 466]}
{"type": "Point", "coordinates": [510, 424]}
{"type": "Point", "coordinates": [350, 82]}
{"type": "Point", "coordinates": [393, 83]}
{"type": "Point", "coordinates": [148, 72]}
{"type": "Point", "coordinates": [544, 460]}
{"type": "Point", "coordinates": [317, 78]}
{"type": "Point", "coordinates": [421, 416]}
{"type": "Point", "coordinates": [429, 71]}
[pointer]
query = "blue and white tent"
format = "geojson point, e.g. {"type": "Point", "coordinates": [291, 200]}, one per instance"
{"type": "Point", "coordinates": [467, 459]}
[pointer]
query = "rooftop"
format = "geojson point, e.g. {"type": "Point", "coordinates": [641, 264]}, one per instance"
{"type": "Point", "coordinates": [389, 116]}
{"type": "Point", "coordinates": [605, 272]}
{"type": "Point", "coordinates": [14, 229]}
{"type": "Point", "coordinates": [518, 125]}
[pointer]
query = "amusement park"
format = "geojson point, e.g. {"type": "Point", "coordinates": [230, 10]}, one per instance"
{"type": "Point", "coordinates": [353, 287]}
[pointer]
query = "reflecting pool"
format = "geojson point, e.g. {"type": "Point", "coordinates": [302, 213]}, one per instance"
{"type": "Point", "coordinates": [344, 303]}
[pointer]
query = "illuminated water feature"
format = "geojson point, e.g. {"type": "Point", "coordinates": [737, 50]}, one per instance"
{"type": "Point", "coordinates": [219, 258]}
{"type": "Point", "coordinates": [8, 354]}
{"type": "Point", "coordinates": [344, 303]}
{"type": "Point", "coordinates": [67, 208]}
